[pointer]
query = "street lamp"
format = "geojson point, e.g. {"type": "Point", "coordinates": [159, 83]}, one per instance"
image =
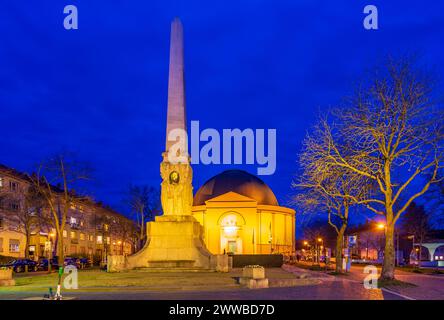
{"type": "Point", "coordinates": [318, 251]}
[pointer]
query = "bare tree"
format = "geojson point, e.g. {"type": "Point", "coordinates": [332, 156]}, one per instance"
{"type": "Point", "coordinates": [395, 132]}
{"type": "Point", "coordinates": [55, 181]}
{"type": "Point", "coordinates": [26, 217]}
{"type": "Point", "coordinates": [144, 202]}
{"type": "Point", "coordinates": [125, 231]}
{"type": "Point", "coordinates": [333, 190]}
{"type": "Point", "coordinates": [417, 222]}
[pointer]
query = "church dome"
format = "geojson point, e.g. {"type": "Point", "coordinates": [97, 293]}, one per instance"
{"type": "Point", "coordinates": [238, 181]}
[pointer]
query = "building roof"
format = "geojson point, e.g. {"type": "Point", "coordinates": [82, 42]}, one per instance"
{"type": "Point", "coordinates": [238, 181]}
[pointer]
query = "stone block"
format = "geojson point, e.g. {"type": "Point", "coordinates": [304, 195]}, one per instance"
{"type": "Point", "coordinates": [223, 263]}
{"type": "Point", "coordinates": [6, 274]}
{"type": "Point", "coordinates": [251, 283]}
{"type": "Point", "coordinates": [254, 272]}
{"type": "Point", "coordinates": [115, 263]}
{"type": "Point", "coordinates": [7, 283]}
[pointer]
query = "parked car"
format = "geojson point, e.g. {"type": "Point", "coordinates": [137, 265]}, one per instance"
{"type": "Point", "coordinates": [70, 261]}
{"type": "Point", "coordinates": [84, 263]}
{"type": "Point", "coordinates": [80, 263]}
{"type": "Point", "coordinates": [19, 265]}
{"type": "Point", "coordinates": [43, 264]}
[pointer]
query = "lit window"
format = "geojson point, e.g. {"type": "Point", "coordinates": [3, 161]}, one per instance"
{"type": "Point", "coordinates": [436, 258]}
{"type": "Point", "coordinates": [105, 227]}
{"type": "Point", "coordinates": [73, 235]}
{"type": "Point", "coordinates": [1, 182]}
{"type": "Point", "coordinates": [14, 245]}
{"type": "Point", "coordinates": [65, 234]}
{"type": "Point", "coordinates": [99, 239]}
{"type": "Point", "coordinates": [82, 236]}
{"type": "Point", "coordinates": [91, 237]}
{"type": "Point", "coordinates": [73, 220]}
{"type": "Point", "coordinates": [108, 240]}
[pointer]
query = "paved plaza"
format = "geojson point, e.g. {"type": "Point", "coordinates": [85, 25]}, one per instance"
{"type": "Point", "coordinates": [310, 285]}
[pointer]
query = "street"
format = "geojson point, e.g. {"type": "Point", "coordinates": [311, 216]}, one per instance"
{"type": "Point", "coordinates": [323, 286]}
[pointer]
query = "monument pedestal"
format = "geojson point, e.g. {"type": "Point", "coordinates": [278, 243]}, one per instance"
{"type": "Point", "coordinates": [175, 242]}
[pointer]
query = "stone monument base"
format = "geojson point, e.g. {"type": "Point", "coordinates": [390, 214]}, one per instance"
{"type": "Point", "coordinates": [175, 242]}
{"type": "Point", "coordinates": [253, 277]}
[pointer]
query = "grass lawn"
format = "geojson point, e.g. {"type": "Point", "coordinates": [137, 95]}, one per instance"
{"type": "Point", "coordinates": [103, 281]}
{"type": "Point", "coordinates": [96, 280]}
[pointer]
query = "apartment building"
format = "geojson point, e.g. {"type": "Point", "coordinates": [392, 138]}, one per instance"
{"type": "Point", "coordinates": [92, 229]}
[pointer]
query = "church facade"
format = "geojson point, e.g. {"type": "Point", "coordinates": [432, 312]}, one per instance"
{"type": "Point", "coordinates": [241, 215]}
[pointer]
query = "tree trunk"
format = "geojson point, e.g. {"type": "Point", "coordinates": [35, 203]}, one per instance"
{"type": "Point", "coordinates": [60, 251]}
{"type": "Point", "coordinates": [339, 244]}
{"type": "Point", "coordinates": [388, 267]}
{"type": "Point", "coordinates": [27, 236]}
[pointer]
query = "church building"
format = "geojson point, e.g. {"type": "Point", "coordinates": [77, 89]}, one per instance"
{"type": "Point", "coordinates": [241, 215]}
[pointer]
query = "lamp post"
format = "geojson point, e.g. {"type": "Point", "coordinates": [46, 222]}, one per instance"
{"type": "Point", "coordinates": [382, 226]}
{"type": "Point", "coordinates": [318, 252]}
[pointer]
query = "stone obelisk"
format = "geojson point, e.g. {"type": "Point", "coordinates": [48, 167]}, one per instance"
{"type": "Point", "coordinates": [176, 113]}
{"type": "Point", "coordinates": [175, 239]}
{"type": "Point", "coordinates": [175, 169]}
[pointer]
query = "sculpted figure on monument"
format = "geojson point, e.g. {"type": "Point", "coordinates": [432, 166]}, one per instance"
{"type": "Point", "coordinates": [177, 190]}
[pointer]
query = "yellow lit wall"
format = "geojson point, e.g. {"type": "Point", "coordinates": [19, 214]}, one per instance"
{"type": "Point", "coordinates": [237, 224]}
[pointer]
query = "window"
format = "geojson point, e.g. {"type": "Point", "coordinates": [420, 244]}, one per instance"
{"type": "Point", "coordinates": [91, 237]}
{"type": "Point", "coordinates": [72, 220]}
{"type": "Point", "coordinates": [14, 206]}
{"type": "Point", "coordinates": [14, 245]}
{"type": "Point", "coordinates": [105, 227]}
{"type": "Point", "coordinates": [1, 223]}
{"type": "Point", "coordinates": [65, 234]}
{"type": "Point", "coordinates": [99, 239]}
{"type": "Point", "coordinates": [1, 182]}
{"type": "Point", "coordinates": [1, 244]}
{"type": "Point", "coordinates": [13, 186]}
{"type": "Point", "coordinates": [82, 236]}
{"type": "Point", "coordinates": [73, 235]}
{"type": "Point", "coordinates": [108, 240]}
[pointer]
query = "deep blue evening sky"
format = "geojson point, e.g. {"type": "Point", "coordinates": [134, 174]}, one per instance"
{"type": "Point", "coordinates": [101, 90]}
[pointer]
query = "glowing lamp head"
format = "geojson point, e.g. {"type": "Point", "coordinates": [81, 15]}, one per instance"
{"type": "Point", "coordinates": [381, 226]}
{"type": "Point", "coordinates": [319, 239]}
{"type": "Point", "coordinates": [230, 230]}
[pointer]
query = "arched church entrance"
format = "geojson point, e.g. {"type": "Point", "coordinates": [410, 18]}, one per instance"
{"type": "Point", "coordinates": [231, 227]}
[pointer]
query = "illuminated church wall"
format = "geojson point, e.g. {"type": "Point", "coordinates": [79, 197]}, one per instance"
{"type": "Point", "coordinates": [234, 223]}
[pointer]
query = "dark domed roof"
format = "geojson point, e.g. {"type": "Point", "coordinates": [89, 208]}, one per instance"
{"type": "Point", "coordinates": [238, 181]}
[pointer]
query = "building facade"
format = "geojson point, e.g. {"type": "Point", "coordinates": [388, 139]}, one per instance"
{"type": "Point", "coordinates": [92, 230]}
{"type": "Point", "coordinates": [241, 215]}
